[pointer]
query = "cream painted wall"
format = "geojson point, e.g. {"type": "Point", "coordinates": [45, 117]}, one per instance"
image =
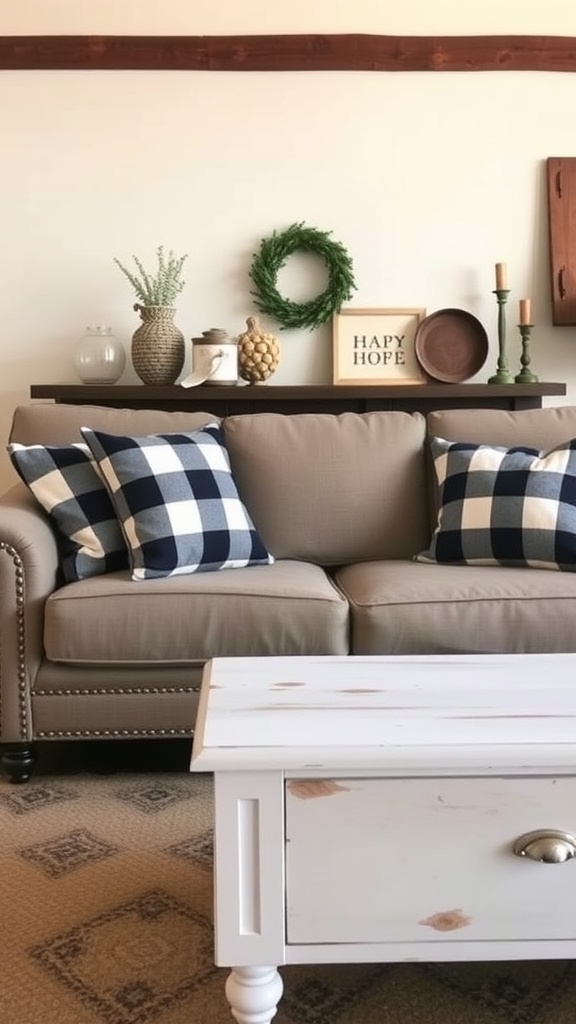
{"type": "Point", "coordinates": [191, 17]}
{"type": "Point", "coordinates": [427, 179]}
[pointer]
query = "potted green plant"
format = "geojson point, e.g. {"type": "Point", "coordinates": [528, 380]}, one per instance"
{"type": "Point", "coordinates": [157, 344]}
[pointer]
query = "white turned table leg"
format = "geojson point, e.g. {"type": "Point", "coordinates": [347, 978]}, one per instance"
{"type": "Point", "coordinates": [254, 994]}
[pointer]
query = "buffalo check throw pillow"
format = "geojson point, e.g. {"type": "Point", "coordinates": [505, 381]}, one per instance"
{"type": "Point", "coordinates": [177, 502]}
{"type": "Point", "coordinates": [504, 506]}
{"type": "Point", "coordinates": [65, 482]}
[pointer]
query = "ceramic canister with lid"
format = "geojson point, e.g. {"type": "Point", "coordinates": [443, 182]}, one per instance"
{"type": "Point", "coordinates": [215, 357]}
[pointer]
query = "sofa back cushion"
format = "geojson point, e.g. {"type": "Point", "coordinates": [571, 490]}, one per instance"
{"type": "Point", "coordinates": [49, 424]}
{"type": "Point", "coordinates": [533, 428]}
{"type": "Point", "coordinates": [333, 489]}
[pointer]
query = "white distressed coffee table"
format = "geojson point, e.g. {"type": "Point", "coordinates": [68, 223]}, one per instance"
{"type": "Point", "coordinates": [388, 809]}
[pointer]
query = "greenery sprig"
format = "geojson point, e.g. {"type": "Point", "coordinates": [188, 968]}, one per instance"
{"type": "Point", "coordinates": [162, 287]}
{"type": "Point", "coordinates": [272, 256]}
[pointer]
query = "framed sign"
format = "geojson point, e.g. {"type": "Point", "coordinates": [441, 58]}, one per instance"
{"type": "Point", "coordinates": [376, 346]}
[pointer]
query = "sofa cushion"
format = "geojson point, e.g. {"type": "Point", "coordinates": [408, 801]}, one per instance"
{"type": "Point", "coordinates": [177, 503]}
{"type": "Point", "coordinates": [413, 608]}
{"type": "Point", "coordinates": [64, 481]}
{"type": "Point", "coordinates": [284, 608]}
{"type": "Point", "coordinates": [510, 506]}
{"type": "Point", "coordinates": [333, 489]}
{"type": "Point", "coordinates": [535, 428]}
{"type": "Point", "coordinates": [49, 423]}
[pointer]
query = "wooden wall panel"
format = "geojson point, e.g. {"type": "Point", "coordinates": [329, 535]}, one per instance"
{"type": "Point", "coordinates": [561, 175]}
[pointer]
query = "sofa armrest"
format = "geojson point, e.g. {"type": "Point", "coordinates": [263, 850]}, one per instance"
{"type": "Point", "coordinates": [28, 575]}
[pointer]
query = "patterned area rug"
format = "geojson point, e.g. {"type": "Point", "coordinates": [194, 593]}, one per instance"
{"type": "Point", "coordinates": [106, 918]}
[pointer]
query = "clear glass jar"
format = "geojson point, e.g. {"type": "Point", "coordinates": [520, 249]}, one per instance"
{"type": "Point", "coordinates": [99, 358]}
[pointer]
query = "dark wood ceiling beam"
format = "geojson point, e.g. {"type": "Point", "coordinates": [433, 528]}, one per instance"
{"type": "Point", "coordinates": [288, 53]}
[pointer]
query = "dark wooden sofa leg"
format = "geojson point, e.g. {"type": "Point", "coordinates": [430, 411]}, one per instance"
{"type": "Point", "coordinates": [17, 761]}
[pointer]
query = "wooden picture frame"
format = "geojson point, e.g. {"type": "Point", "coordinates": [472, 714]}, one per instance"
{"type": "Point", "coordinates": [376, 346]}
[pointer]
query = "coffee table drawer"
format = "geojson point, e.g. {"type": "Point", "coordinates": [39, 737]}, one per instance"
{"type": "Point", "coordinates": [404, 860]}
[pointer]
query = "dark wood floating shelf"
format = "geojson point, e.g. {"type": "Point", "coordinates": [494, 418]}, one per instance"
{"type": "Point", "coordinates": [225, 401]}
{"type": "Point", "coordinates": [296, 52]}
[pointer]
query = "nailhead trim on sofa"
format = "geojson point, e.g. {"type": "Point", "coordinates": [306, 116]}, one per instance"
{"type": "Point", "coordinates": [125, 689]}
{"type": "Point", "coordinates": [21, 637]}
{"type": "Point", "coordinates": [67, 733]}
{"type": "Point", "coordinates": [52, 734]}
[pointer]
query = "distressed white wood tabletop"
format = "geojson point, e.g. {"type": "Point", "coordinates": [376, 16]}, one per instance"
{"type": "Point", "coordinates": [484, 712]}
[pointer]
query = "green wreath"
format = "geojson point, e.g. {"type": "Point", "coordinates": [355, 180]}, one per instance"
{"type": "Point", "coordinates": [272, 256]}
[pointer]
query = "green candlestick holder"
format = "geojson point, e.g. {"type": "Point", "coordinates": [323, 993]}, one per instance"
{"type": "Point", "coordinates": [502, 375]}
{"type": "Point", "coordinates": [525, 376]}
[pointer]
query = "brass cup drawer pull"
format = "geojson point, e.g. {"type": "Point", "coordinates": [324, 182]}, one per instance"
{"type": "Point", "coordinates": [547, 845]}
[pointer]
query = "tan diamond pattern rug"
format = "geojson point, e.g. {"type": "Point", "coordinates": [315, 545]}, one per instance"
{"type": "Point", "coordinates": [106, 918]}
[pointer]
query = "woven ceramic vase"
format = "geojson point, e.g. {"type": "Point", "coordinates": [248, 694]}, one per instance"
{"type": "Point", "coordinates": [158, 349]}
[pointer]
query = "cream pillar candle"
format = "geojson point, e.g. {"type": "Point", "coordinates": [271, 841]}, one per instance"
{"type": "Point", "coordinates": [501, 277]}
{"type": "Point", "coordinates": [525, 308]}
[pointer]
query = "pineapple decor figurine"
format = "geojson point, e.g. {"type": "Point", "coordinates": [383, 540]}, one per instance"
{"type": "Point", "coordinates": [157, 349]}
{"type": "Point", "coordinates": [258, 353]}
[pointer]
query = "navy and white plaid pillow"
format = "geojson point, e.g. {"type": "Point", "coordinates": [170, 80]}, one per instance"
{"type": "Point", "coordinates": [505, 506]}
{"type": "Point", "coordinates": [65, 482]}
{"type": "Point", "coordinates": [177, 502]}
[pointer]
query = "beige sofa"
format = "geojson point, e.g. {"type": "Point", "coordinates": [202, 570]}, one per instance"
{"type": "Point", "coordinates": [344, 503]}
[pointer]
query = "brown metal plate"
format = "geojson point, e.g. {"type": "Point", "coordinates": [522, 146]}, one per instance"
{"type": "Point", "coordinates": [451, 345]}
